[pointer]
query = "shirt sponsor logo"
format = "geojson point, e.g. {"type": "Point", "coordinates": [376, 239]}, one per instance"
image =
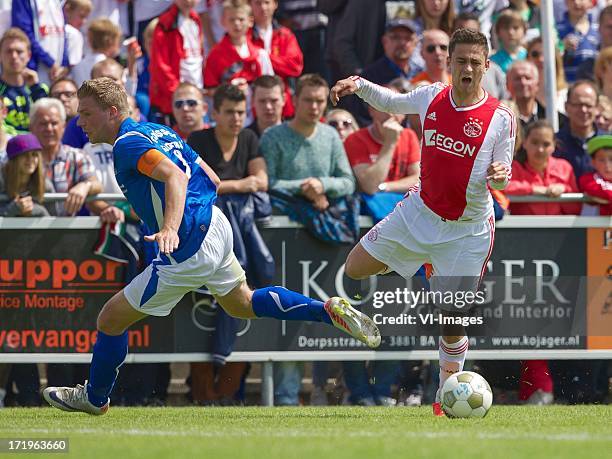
{"type": "Point", "coordinates": [432, 116]}
{"type": "Point", "coordinates": [473, 127]}
{"type": "Point", "coordinates": [447, 144]}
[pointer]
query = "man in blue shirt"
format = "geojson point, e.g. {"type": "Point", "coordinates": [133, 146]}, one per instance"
{"type": "Point", "coordinates": [173, 191]}
{"type": "Point", "coordinates": [581, 109]}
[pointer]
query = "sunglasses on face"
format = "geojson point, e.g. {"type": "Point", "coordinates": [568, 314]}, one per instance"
{"type": "Point", "coordinates": [63, 94]}
{"type": "Point", "coordinates": [178, 104]}
{"type": "Point", "coordinates": [340, 123]}
{"type": "Point", "coordinates": [432, 48]}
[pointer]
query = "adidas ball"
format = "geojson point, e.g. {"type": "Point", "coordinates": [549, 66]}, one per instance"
{"type": "Point", "coordinates": [466, 395]}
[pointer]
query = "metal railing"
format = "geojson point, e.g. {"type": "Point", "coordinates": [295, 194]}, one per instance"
{"type": "Point", "coordinates": [565, 197]}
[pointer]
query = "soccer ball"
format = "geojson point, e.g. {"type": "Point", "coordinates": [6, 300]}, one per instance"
{"type": "Point", "coordinates": [466, 395]}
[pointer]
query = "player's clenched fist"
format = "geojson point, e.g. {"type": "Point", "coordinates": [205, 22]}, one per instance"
{"type": "Point", "coordinates": [497, 172]}
{"type": "Point", "coordinates": [342, 88]}
{"type": "Point", "coordinates": [167, 240]}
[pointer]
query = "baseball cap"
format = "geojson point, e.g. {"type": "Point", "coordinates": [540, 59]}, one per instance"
{"type": "Point", "coordinates": [402, 22]}
{"type": "Point", "coordinates": [21, 144]}
{"type": "Point", "coordinates": [598, 142]}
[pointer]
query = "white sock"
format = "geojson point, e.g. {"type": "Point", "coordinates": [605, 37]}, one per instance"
{"type": "Point", "coordinates": [452, 358]}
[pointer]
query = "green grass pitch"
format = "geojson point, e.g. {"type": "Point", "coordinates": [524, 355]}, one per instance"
{"type": "Point", "coordinates": [323, 432]}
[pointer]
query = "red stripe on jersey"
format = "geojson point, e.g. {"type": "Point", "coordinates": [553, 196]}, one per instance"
{"type": "Point", "coordinates": [491, 242]}
{"type": "Point", "coordinates": [451, 142]}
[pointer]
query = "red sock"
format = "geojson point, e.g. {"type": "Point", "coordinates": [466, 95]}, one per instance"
{"type": "Point", "coordinates": [534, 375]}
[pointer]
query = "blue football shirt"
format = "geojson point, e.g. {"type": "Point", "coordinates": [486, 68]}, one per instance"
{"type": "Point", "coordinates": [147, 196]}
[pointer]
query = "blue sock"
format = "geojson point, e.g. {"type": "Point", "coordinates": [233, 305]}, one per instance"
{"type": "Point", "coordinates": [283, 304]}
{"type": "Point", "coordinates": [108, 354]}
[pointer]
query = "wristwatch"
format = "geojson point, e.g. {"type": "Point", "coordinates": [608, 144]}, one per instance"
{"type": "Point", "coordinates": [382, 187]}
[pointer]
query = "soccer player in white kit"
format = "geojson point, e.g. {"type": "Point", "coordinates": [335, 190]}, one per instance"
{"type": "Point", "coordinates": [446, 220]}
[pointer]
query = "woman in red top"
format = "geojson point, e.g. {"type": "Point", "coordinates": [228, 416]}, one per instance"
{"type": "Point", "coordinates": [536, 172]}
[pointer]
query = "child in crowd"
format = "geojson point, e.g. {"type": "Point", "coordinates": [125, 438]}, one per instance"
{"type": "Point", "coordinates": [177, 56]}
{"type": "Point", "coordinates": [235, 59]}
{"type": "Point", "coordinates": [76, 13]}
{"type": "Point", "coordinates": [280, 44]}
{"type": "Point", "coordinates": [22, 178]}
{"type": "Point", "coordinates": [579, 33]}
{"type": "Point", "coordinates": [598, 184]}
{"type": "Point", "coordinates": [510, 29]}
{"type": "Point", "coordinates": [535, 171]}
{"type": "Point", "coordinates": [104, 40]}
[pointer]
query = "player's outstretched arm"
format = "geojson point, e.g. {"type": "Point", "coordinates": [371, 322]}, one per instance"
{"type": "Point", "coordinates": [164, 170]}
{"type": "Point", "coordinates": [379, 97]}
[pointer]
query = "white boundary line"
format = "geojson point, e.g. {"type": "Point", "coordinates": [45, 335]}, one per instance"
{"type": "Point", "coordinates": [242, 432]}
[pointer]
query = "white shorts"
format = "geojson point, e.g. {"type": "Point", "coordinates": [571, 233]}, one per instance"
{"type": "Point", "coordinates": [157, 289]}
{"type": "Point", "coordinates": [413, 235]}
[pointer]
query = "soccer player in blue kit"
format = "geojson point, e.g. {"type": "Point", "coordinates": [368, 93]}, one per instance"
{"type": "Point", "coordinates": [173, 191]}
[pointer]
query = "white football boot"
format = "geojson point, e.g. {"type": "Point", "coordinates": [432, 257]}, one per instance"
{"type": "Point", "coordinates": [353, 322]}
{"type": "Point", "coordinates": [73, 399]}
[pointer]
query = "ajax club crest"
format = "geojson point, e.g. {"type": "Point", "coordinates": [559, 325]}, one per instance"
{"type": "Point", "coordinates": [473, 127]}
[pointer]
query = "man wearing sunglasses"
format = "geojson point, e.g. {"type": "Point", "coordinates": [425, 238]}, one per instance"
{"type": "Point", "coordinates": [188, 109]}
{"type": "Point", "coordinates": [435, 54]}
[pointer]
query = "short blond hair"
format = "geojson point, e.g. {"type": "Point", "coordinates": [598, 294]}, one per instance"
{"type": "Point", "coordinates": [74, 5]}
{"type": "Point", "coordinates": [102, 34]}
{"type": "Point", "coordinates": [603, 61]}
{"type": "Point", "coordinates": [239, 5]}
{"type": "Point", "coordinates": [15, 34]}
{"type": "Point", "coordinates": [106, 93]}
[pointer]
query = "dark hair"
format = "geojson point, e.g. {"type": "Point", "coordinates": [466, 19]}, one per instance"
{"type": "Point", "coordinates": [63, 80]}
{"type": "Point", "coordinates": [13, 175]}
{"type": "Point", "coordinates": [521, 155]}
{"type": "Point", "coordinates": [268, 82]}
{"type": "Point", "coordinates": [310, 79]}
{"type": "Point", "coordinates": [229, 92]}
{"type": "Point", "coordinates": [447, 19]}
{"type": "Point", "coordinates": [468, 37]}
{"type": "Point", "coordinates": [607, 11]}
{"type": "Point", "coordinates": [464, 17]}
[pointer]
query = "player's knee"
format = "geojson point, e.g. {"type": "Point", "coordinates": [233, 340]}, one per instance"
{"type": "Point", "coordinates": [353, 268]}
{"type": "Point", "coordinates": [109, 324]}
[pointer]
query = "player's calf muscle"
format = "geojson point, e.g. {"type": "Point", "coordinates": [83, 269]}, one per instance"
{"type": "Point", "coordinates": [237, 303]}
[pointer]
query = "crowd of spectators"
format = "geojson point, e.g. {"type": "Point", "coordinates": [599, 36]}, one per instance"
{"type": "Point", "coordinates": [246, 84]}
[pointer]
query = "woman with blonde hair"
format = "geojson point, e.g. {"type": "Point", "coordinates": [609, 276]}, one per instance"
{"type": "Point", "coordinates": [342, 121]}
{"type": "Point", "coordinates": [535, 54]}
{"type": "Point", "coordinates": [22, 178]}
{"type": "Point", "coordinates": [435, 14]}
{"type": "Point", "coordinates": [603, 71]}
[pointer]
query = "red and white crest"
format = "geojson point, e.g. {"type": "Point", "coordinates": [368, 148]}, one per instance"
{"type": "Point", "coordinates": [473, 127]}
